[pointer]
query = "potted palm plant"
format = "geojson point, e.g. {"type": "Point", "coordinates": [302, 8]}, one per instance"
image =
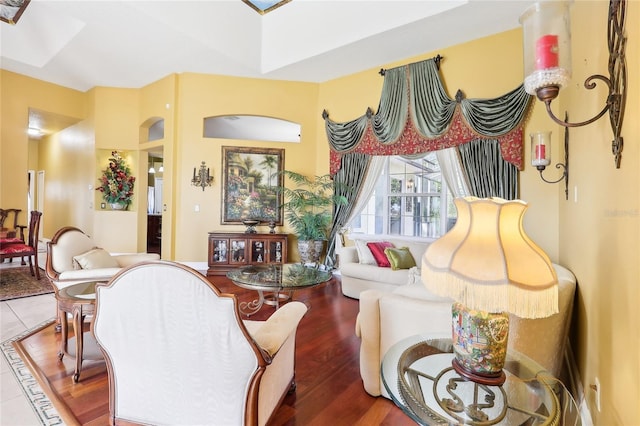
{"type": "Point", "coordinates": [308, 208]}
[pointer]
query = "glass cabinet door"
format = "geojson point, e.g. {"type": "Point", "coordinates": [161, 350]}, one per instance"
{"type": "Point", "coordinates": [276, 252]}
{"type": "Point", "coordinates": [238, 254]}
{"type": "Point", "coordinates": [258, 251]}
{"type": "Point", "coordinates": [220, 251]}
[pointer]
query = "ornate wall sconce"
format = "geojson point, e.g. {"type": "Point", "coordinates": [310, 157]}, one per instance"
{"type": "Point", "coordinates": [547, 61]}
{"type": "Point", "coordinates": [541, 156]}
{"type": "Point", "coordinates": [202, 178]}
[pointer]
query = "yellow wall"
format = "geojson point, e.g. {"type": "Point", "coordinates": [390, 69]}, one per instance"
{"type": "Point", "coordinates": [116, 126]}
{"type": "Point", "coordinates": [158, 101]}
{"type": "Point", "coordinates": [203, 96]}
{"type": "Point", "coordinates": [599, 233]}
{"type": "Point", "coordinates": [19, 93]}
{"type": "Point", "coordinates": [596, 237]}
{"type": "Point", "coordinates": [68, 161]}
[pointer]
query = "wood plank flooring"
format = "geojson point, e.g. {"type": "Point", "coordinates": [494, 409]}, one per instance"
{"type": "Point", "coordinates": [329, 389]}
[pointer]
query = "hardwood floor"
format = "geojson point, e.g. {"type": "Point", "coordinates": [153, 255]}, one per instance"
{"type": "Point", "coordinates": [329, 389]}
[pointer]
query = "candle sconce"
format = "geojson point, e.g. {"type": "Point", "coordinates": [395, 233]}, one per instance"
{"type": "Point", "coordinates": [547, 62]}
{"type": "Point", "coordinates": [202, 178]}
{"type": "Point", "coordinates": [541, 156]}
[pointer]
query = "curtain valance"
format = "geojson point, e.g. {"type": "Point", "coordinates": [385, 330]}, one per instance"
{"type": "Point", "coordinates": [415, 115]}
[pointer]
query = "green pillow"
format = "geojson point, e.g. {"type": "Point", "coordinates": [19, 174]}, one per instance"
{"type": "Point", "coordinates": [400, 258]}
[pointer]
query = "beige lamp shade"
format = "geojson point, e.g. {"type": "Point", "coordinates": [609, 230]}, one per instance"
{"type": "Point", "coordinates": [487, 261]}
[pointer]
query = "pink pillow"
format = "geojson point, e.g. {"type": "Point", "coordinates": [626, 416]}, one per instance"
{"type": "Point", "coordinates": [377, 249]}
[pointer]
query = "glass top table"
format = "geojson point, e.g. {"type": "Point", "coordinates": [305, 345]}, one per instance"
{"type": "Point", "coordinates": [275, 283]}
{"type": "Point", "coordinates": [418, 376]}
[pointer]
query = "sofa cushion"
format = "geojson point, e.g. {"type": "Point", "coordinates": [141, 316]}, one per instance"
{"type": "Point", "coordinates": [83, 275]}
{"type": "Point", "coordinates": [377, 249]}
{"type": "Point", "coordinates": [400, 258]}
{"type": "Point", "coordinates": [96, 258]}
{"type": "Point", "coordinates": [365, 257]}
{"type": "Point", "coordinates": [374, 273]}
{"type": "Point", "coordinates": [415, 289]}
{"type": "Point", "coordinates": [70, 244]}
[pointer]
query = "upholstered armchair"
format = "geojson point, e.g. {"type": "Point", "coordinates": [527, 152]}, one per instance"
{"type": "Point", "coordinates": [72, 257]}
{"type": "Point", "coordinates": [177, 351]}
{"type": "Point", "coordinates": [385, 318]}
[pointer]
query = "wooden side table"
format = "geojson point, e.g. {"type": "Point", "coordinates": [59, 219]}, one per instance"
{"type": "Point", "coordinates": [79, 300]}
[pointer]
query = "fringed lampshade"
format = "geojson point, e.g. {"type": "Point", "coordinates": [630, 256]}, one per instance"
{"type": "Point", "coordinates": [488, 264]}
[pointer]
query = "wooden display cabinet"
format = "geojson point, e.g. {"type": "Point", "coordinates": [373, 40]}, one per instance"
{"type": "Point", "coordinates": [229, 250]}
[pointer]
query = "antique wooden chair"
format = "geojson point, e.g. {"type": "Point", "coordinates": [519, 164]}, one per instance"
{"type": "Point", "coordinates": [9, 230]}
{"type": "Point", "coordinates": [30, 249]}
{"type": "Point", "coordinates": [171, 338]}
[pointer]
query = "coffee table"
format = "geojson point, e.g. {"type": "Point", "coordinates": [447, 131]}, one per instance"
{"type": "Point", "coordinates": [275, 283]}
{"type": "Point", "coordinates": [79, 300]}
{"type": "Point", "coordinates": [418, 376]}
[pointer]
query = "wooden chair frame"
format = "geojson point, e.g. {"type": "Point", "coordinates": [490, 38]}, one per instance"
{"type": "Point", "coordinates": [30, 249]}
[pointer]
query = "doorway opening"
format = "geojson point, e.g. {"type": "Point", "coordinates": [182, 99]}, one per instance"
{"type": "Point", "coordinates": [155, 205]}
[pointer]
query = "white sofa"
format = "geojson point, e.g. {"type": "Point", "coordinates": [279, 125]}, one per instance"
{"type": "Point", "coordinates": [357, 277]}
{"type": "Point", "coordinates": [386, 317]}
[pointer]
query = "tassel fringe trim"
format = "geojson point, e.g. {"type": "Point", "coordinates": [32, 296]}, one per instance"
{"type": "Point", "coordinates": [502, 297]}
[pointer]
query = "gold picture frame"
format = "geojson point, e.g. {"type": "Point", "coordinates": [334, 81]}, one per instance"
{"type": "Point", "coordinates": [12, 10]}
{"type": "Point", "coordinates": [250, 178]}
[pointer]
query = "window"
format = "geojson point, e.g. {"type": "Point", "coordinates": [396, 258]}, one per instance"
{"type": "Point", "coordinates": [410, 199]}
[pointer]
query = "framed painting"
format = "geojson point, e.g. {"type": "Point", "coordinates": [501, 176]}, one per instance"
{"type": "Point", "coordinates": [11, 10]}
{"type": "Point", "coordinates": [250, 178]}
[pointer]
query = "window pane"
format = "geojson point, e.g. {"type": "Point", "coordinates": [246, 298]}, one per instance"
{"type": "Point", "coordinates": [411, 199]}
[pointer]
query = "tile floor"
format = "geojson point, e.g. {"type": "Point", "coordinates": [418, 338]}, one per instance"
{"type": "Point", "coordinates": [17, 316]}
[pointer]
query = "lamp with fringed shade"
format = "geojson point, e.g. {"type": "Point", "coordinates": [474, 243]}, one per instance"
{"type": "Point", "coordinates": [490, 267]}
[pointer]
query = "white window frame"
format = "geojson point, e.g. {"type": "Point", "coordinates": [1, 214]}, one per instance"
{"type": "Point", "coordinates": [383, 195]}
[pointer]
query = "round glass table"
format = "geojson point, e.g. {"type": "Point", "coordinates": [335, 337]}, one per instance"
{"type": "Point", "coordinates": [275, 283]}
{"type": "Point", "coordinates": [418, 376]}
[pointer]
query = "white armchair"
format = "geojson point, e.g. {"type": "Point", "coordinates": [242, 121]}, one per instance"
{"type": "Point", "coordinates": [385, 318]}
{"type": "Point", "coordinates": [177, 351]}
{"type": "Point", "coordinates": [72, 258]}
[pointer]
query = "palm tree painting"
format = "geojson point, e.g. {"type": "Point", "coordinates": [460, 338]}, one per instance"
{"type": "Point", "coordinates": [251, 177]}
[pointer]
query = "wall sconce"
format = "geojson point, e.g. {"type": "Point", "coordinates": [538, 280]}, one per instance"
{"type": "Point", "coordinates": [202, 178]}
{"type": "Point", "coordinates": [541, 156]}
{"type": "Point", "coordinates": [547, 61]}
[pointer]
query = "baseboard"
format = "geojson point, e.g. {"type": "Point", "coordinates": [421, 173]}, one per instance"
{"type": "Point", "coordinates": [575, 386]}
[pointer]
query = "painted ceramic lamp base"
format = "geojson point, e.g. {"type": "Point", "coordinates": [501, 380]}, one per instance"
{"type": "Point", "coordinates": [479, 344]}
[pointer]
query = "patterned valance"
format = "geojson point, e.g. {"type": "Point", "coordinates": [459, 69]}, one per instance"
{"type": "Point", "coordinates": [415, 115]}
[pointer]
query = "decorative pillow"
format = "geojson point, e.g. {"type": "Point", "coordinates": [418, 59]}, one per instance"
{"type": "Point", "coordinates": [377, 250]}
{"type": "Point", "coordinates": [400, 258]}
{"type": "Point", "coordinates": [364, 254]}
{"type": "Point", "coordinates": [95, 259]}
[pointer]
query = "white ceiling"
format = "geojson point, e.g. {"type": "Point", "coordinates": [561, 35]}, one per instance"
{"type": "Point", "coordinates": [123, 43]}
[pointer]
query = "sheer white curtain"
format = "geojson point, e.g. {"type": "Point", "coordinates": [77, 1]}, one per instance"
{"type": "Point", "coordinates": [452, 172]}
{"type": "Point", "coordinates": [450, 167]}
{"type": "Point", "coordinates": [376, 166]}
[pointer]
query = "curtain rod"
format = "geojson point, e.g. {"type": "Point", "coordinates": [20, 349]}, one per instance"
{"type": "Point", "coordinates": [437, 60]}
